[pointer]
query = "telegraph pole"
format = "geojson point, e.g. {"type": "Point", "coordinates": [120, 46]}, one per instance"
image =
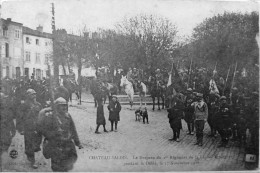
{"type": "Point", "coordinates": [55, 63]}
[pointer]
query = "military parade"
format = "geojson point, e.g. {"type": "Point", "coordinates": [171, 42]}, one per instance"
{"type": "Point", "coordinates": [182, 102]}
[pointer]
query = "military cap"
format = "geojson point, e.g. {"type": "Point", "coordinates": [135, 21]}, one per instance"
{"type": "Point", "coordinates": [199, 95]}
{"type": "Point", "coordinates": [60, 101]}
{"type": "Point", "coordinates": [223, 98]}
{"type": "Point", "coordinates": [235, 88]}
{"type": "Point", "coordinates": [30, 91]}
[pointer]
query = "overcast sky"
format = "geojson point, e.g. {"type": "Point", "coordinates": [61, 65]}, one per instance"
{"type": "Point", "coordinates": [74, 14]}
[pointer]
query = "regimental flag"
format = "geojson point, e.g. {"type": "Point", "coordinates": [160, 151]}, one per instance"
{"type": "Point", "coordinates": [169, 80]}
{"type": "Point", "coordinates": [213, 87]}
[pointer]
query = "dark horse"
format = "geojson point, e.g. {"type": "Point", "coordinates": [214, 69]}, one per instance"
{"type": "Point", "coordinates": [102, 89]}
{"type": "Point", "coordinates": [72, 87]}
{"type": "Point", "coordinates": [156, 90]}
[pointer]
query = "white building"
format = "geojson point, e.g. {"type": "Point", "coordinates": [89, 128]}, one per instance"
{"type": "Point", "coordinates": [38, 48]}
{"type": "Point", "coordinates": [11, 48]}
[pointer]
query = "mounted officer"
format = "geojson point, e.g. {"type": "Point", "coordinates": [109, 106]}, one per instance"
{"type": "Point", "coordinates": [58, 128]}
{"type": "Point", "coordinates": [224, 121]}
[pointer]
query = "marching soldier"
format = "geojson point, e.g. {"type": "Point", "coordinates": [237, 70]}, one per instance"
{"type": "Point", "coordinates": [29, 114]}
{"type": "Point", "coordinates": [58, 128]}
{"type": "Point", "coordinates": [224, 121]}
{"type": "Point", "coordinates": [200, 116]}
{"type": "Point", "coordinates": [189, 111]}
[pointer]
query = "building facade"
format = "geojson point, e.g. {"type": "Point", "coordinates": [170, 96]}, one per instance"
{"type": "Point", "coordinates": [38, 48]}
{"type": "Point", "coordinates": [11, 49]}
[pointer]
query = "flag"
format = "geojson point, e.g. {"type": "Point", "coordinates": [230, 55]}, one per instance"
{"type": "Point", "coordinates": [169, 80]}
{"type": "Point", "coordinates": [213, 87]}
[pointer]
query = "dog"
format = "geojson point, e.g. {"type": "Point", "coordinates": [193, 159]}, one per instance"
{"type": "Point", "coordinates": [138, 114]}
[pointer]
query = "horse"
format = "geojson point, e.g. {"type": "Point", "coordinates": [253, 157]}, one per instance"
{"type": "Point", "coordinates": [111, 89]}
{"type": "Point", "coordinates": [98, 89]}
{"type": "Point", "coordinates": [142, 90]}
{"type": "Point", "coordinates": [157, 90]}
{"type": "Point", "coordinates": [128, 87]}
{"type": "Point", "coordinates": [72, 87]}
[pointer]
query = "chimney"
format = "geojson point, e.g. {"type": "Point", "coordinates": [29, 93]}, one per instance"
{"type": "Point", "coordinates": [39, 28]}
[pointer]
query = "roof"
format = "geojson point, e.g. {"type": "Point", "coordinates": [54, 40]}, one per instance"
{"type": "Point", "coordinates": [30, 31]}
{"type": "Point", "coordinates": [6, 22]}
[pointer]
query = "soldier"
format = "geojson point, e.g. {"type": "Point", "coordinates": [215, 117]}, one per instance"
{"type": "Point", "coordinates": [213, 108]}
{"type": "Point", "coordinates": [29, 114]}
{"type": "Point", "coordinates": [61, 136]}
{"type": "Point", "coordinates": [7, 124]}
{"type": "Point", "coordinates": [189, 111]}
{"type": "Point", "coordinates": [175, 114]}
{"type": "Point", "coordinates": [158, 76]}
{"type": "Point", "coordinates": [200, 116]}
{"type": "Point", "coordinates": [224, 121]}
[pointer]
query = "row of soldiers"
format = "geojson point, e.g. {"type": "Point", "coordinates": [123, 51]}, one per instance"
{"type": "Point", "coordinates": [229, 118]}
{"type": "Point", "coordinates": [34, 122]}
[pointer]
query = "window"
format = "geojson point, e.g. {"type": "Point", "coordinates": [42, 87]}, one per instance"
{"type": "Point", "coordinates": [38, 59]}
{"type": "Point", "coordinates": [26, 72]}
{"type": "Point", "coordinates": [38, 73]}
{"type": "Point", "coordinates": [27, 56]}
{"type": "Point", "coordinates": [37, 42]}
{"type": "Point", "coordinates": [17, 34]}
{"type": "Point", "coordinates": [6, 50]}
{"type": "Point", "coordinates": [5, 32]}
{"type": "Point", "coordinates": [7, 71]}
{"type": "Point", "coordinates": [28, 40]}
{"type": "Point", "coordinates": [18, 72]}
{"type": "Point", "coordinates": [46, 59]}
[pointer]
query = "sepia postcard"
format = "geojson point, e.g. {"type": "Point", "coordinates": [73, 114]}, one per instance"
{"type": "Point", "coordinates": [129, 85]}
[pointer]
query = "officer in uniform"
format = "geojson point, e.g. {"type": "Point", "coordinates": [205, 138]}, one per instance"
{"type": "Point", "coordinates": [135, 78]}
{"type": "Point", "coordinates": [224, 121]}
{"type": "Point", "coordinates": [189, 111]}
{"type": "Point", "coordinates": [61, 136]}
{"type": "Point", "coordinates": [158, 77]}
{"type": "Point", "coordinates": [29, 114]}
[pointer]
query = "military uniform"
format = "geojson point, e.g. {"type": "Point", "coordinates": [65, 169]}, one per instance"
{"type": "Point", "coordinates": [189, 111]}
{"type": "Point", "coordinates": [60, 138]}
{"type": "Point", "coordinates": [29, 113]}
{"type": "Point", "coordinates": [224, 122]}
{"type": "Point", "coordinates": [213, 108]}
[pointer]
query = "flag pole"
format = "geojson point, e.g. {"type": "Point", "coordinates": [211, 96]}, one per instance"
{"type": "Point", "coordinates": [226, 80]}
{"type": "Point", "coordinates": [190, 72]}
{"type": "Point", "coordinates": [232, 84]}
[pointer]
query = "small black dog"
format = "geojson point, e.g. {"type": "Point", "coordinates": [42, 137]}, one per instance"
{"type": "Point", "coordinates": [145, 115]}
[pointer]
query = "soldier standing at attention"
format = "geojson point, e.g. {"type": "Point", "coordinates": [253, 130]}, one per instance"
{"type": "Point", "coordinates": [29, 113]}
{"type": "Point", "coordinates": [189, 111]}
{"type": "Point", "coordinates": [200, 116]}
{"type": "Point", "coordinates": [61, 136]}
{"type": "Point", "coordinates": [224, 122]}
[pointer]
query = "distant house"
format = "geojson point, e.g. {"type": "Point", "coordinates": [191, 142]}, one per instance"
{"type": "Point", "coordinates": [38, 48]}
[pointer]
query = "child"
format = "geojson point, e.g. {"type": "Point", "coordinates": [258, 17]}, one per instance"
{"type": "Point", "coordinates": [138, 114]}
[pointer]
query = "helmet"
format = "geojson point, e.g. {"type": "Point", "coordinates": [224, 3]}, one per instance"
{"type": "Point", "coordinates": [30, 91]}
{"type": "Point", "coordinates": [223, 98]}
{"type": "Point", "coordinates": [60, 101]}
